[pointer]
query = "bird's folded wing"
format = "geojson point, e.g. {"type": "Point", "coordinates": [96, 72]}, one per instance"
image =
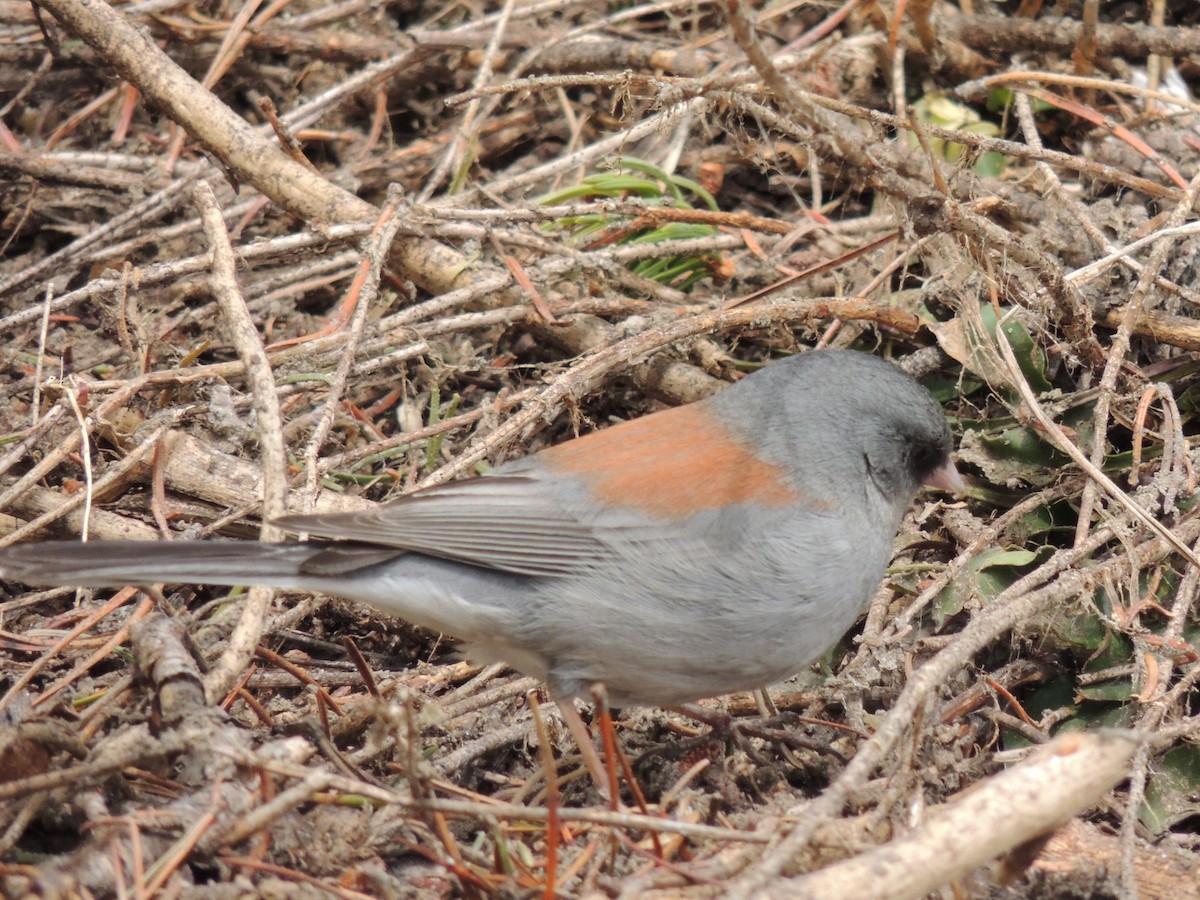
{"type": "Point", "coordinates": [513, 523]}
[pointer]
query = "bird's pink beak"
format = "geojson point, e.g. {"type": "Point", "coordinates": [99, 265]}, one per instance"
{"type": "Point", "coordinates": [946, 478]}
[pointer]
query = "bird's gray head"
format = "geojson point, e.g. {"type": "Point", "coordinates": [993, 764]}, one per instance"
{"type": "Point", "coordinates": [840, 419]}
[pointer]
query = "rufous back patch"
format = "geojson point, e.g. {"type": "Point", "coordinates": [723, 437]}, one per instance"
{"type": "Point", "coordinates": [671, 464]}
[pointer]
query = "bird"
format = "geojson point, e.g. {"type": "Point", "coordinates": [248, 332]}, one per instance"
{"type": "Point", "coordinates": [703, 549]}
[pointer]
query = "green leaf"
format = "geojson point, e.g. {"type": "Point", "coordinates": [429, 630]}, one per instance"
{"type": "Point", "coordinates": [991, 164]}
{"type": "Point", "coordinates": [1021, 444]}
{"type": "Point", "coordinates": [1117, 690]}
{"type": "Point", "coordinates": [641, 178]}
{"type": "Point", "coordinates": [1043, 522]}
{"type": "Point", "coordinates": [1029, 355]}
{"type": "Point", "coordinates": [1082, 629]}
{"type": "Point", "coordinates": [1173, 789]}
{"type": "Point", "coordinates": [985, 576]}
{"type": "Point", "coordinates": [1059, 693]}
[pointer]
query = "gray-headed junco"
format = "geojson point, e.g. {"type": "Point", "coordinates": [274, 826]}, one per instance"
{"type": "Point", "coordinates": [692, 552]}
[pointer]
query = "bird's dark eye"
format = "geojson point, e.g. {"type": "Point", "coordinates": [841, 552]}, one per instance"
{"type": "Point", "coordinates": [924, 458]}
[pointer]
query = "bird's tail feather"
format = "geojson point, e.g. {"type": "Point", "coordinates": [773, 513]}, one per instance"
{"type": "Point", "coordinates": [114, 563]}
